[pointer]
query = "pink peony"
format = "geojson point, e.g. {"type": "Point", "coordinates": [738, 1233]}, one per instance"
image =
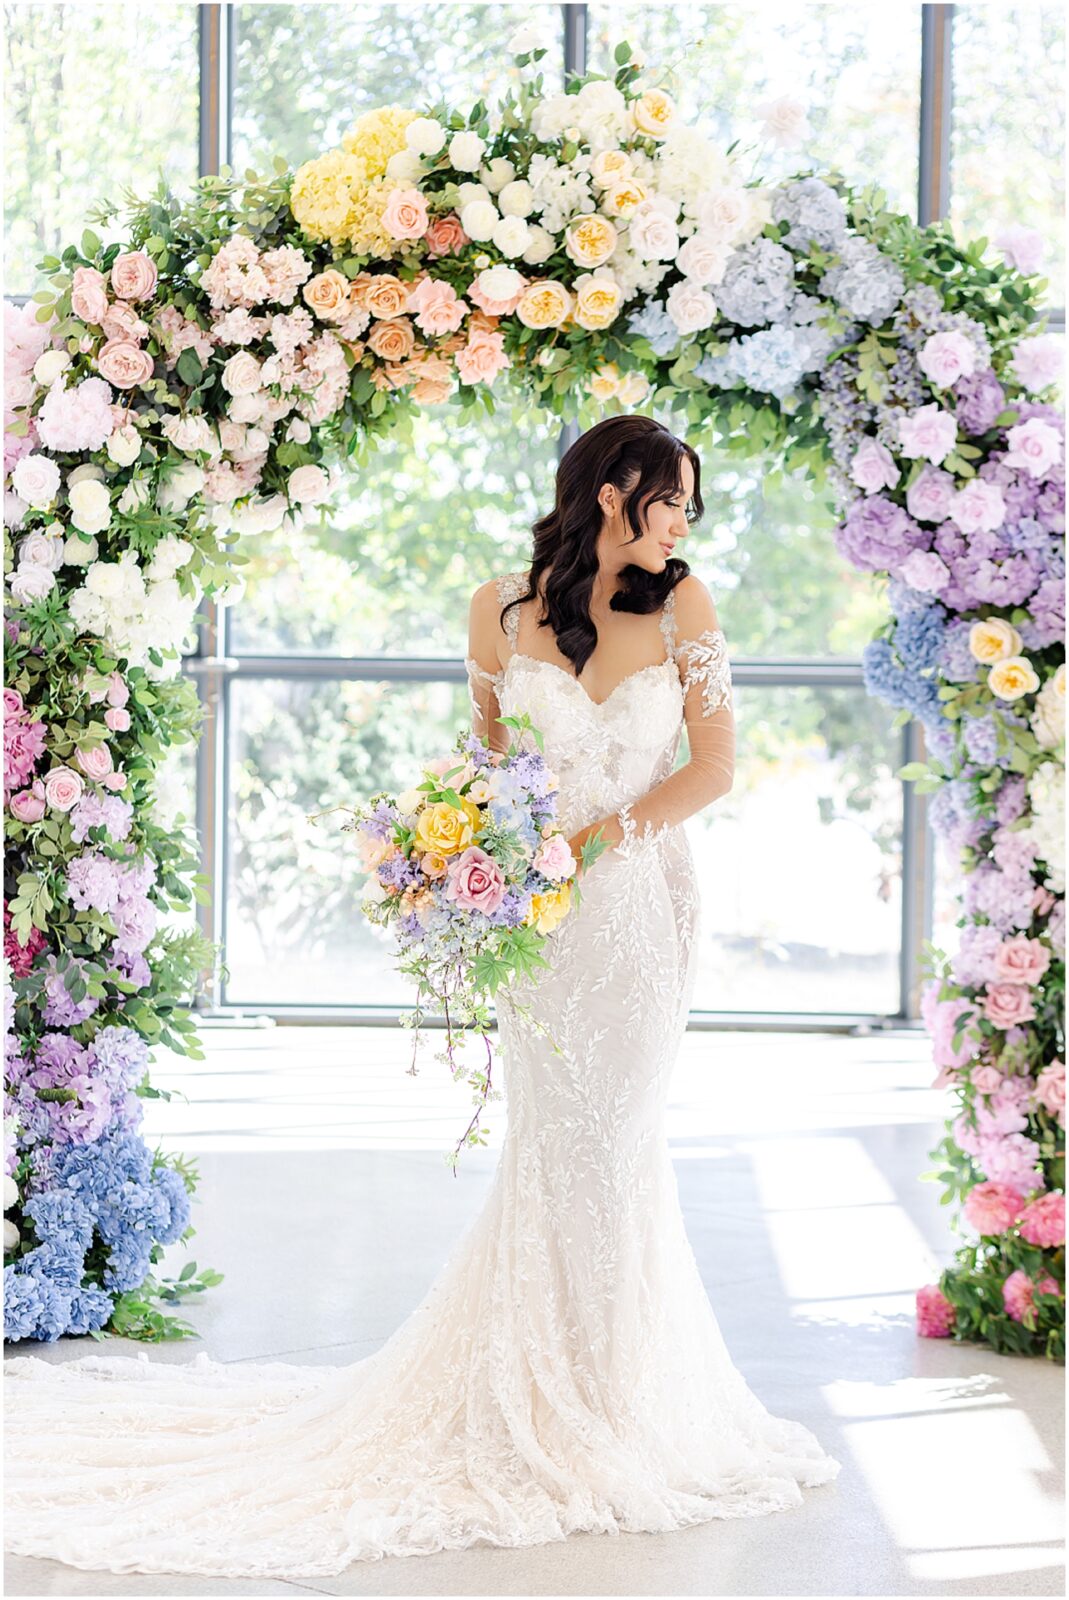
{"type": "Point", "coordinates": [89, 295]}
{"type": "Point", "coordinates": [1043, 1222]}
{"type": "Point", "coordinates": [63, 788]}
{"type": "Point", "coordinates": [946, 357]}
{"type": "Point", "coordinates": [1017, 1295]}
{"type": "Point", "coordinates": [985, 1078]}
{"type": "Point", "coordinates": [991, 1208]}
{"type": "Point", "coordinates": [929, 431]}
{"type": "Point", "coordinates": [475, 882]}
{"type": "Point", "coordinates": [1021, 960]}
{"type": "Point", "coordinates": [873, 466]}
{"type": "Point", "coordinates": [134, 275]}
{"type": "Point", "coordinates": [76, 419]}
{"type": "Point", "coordinates": [1006, 1004]}
{"type": "Point", "coordinates": [935, 1313]}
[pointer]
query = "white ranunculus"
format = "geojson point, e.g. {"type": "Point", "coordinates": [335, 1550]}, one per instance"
{"type": "Point", "coordinates": [36, 478]}
{"type": "Point", "coordinates": [90, 505]}
{"type": "Point", "coordinates": [425, 135]}
{"type": "Point", "coordinates": [510, 236]}
{"type": "Point", "coordinates": [85, 469]}
{"type": "Point", "coordinates": [124, 445]}
{"type": "Point", "coordinates": [497, 174]}
{"type": "Point", "coordinates": [466, 151]}
{"type": "Point", "coordinates": [78, 552]}
{"type": "Point", "coordinates": [308, 485]}
{"type": "Point", "coordinates": [31, 582]}
{"type": "Point", "coordinates": [479, 219]}
{"type": "Point", "coordinates": [516, 199]}
{"type": "Point", "coordinates": [49, 366]}
{"type": "Point", "coordinates": [178, 489]}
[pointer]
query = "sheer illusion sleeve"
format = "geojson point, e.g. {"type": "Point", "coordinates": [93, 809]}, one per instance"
{"type": "Point", "coordinates": [708, 708]}
{"type": "Point", "coordinates": [483, 667]}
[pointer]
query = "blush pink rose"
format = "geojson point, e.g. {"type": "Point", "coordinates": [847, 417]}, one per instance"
{"type": "Point", "coordinates": [445, 235]}
{"type": "Point", "coordinates": [873, 467]}
{"type": "Point", "coordinates": [29, 804]}
{"type": "Point", "coordinates": [1050, 1089]}
{"type": "Point", "coordinates": [133, 275]}
{"type": "Point", "coordinates": [935, 1313]}
{"type": "Point", "coordinates": [946, 357]}
{"type": "Point", "coordinates": [554, 858]}
{"type": "Point", "coordinates": [1043, 1222]}
{"type": "Point", "coordinates": [1017, 1294]}
{"type": "Point", "coordinates": [924, 570]}
{"type": "Point", "coordinates": [124, 363]}
{"type": "Point", "coordinates": [476, 882]}
{"type": "Point", "coordinates": [95, 763]}
{"type": "Point", "coordinates": [89, 295]}
{"type": "Point", "coordinates": [1021, 960]}
{"type": "Point", "coordinates": [1006, 1004]}
{"type": "Point", "coordinates": [991, 1208]}
{"type": "Point", "coordinates": [928, 496]}
{"type": "Point", "coordinates": [13, 703]}
{"type": "Point", "coordinates": [114, 780]}
{"type": "Point", "coordinates": [117, 719]}
{"type": "Point", "coordinates": [1035, 445]}
{"type": "Point", "coordinates": [929, 431]}
{"type": "Point", "coordinates": [121, 321]}
{"type": "Point", "coordinates": [483, 357]}
{"type": "Point", "coordinates": [118, 692]}
{"type": "Point", "coordinates": [986, 1078]}
{"type": "Point", "coordinates": [1022, 247]}
{"type": "Point", "coordinates": [405, 215]}
{"type": "Point", "coordinates": [1042, 899]}
{"type": "Point", "coordinates": [63, 788]}
{"type": "Point", "coordinates": [437, 307]}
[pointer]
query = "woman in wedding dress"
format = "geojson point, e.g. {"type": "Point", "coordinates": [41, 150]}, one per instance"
{"type": "Point", "coordinates": [565, 1372]}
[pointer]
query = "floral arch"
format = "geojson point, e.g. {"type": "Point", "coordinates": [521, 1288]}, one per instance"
{"type": "Point", "coordinates": [210, 375]}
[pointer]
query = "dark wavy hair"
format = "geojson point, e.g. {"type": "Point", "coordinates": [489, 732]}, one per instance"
{"type": "Point", "coordinates": [642, 458]}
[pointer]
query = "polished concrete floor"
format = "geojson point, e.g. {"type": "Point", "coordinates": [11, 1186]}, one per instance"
{"type": "Point", "coordinates": [798, 1158]}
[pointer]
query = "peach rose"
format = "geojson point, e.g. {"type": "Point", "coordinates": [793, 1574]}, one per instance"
{"type": "Point", "coordinates": [89, 295]}
{"type": "Point", "coordinates": [328, 295]}
{"type": "Point", "coordinates": [545, 303]}
{"type": "Point", "coordinates": [445, 236]}
{"type": "Point", "coordinates": [95, 763]}
{"type": "Point", "coordinates": [124, 363]}
{"type": "Point", "coordinates": [386, 296]}
{"type": "Point", "coordinates": [1013, 677]}
{"type": "Point", "coordinates": [63, 788]}
{"type": "Point", "coordinates": [121, 321]}
{"type": "Point", "coordinates": [405, 214]}
{"type": "Point", "coordinates": [590, 240]}
{"type": "Point", "coordinates": [653, 113]}
{"type": "Point", "coordinates": [993, 639]}
{"type": "Point", "coordinates": [134, 275]}
{"type": "Point", "coordinates": [392, 340]}
{"type": "Point", "coordinates": [482, 358]}
{"type": "Point", "coordinates": [435, 381]}
{"type": "Point", "coordinates": [598, 301]}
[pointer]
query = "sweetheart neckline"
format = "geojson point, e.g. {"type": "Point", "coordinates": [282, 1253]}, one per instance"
{"type": "Point", "coordinates": [654, 666]}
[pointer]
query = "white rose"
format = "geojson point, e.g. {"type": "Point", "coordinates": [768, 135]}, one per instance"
{"type": "Point", "coordinates": [633, 387]}
{"type": "Point", "coordinates": [124, 445]}
{"type": "Point", "coordinates": [497, 174]}
{"type": "Point", "coordinates": [540, 246]}
{"type": "Point", "coordinates": [308, 485]}
{"type": "Point", "coordinates": [11, 1191]}
{"type": "Point", "coordinates": [36, 479]}
{"type": "Point", "coordinates": [90, 505]}
{"type": "Point", "coordinates": [241, 375]}
{"type": "Point", "coordinates": [469, 191]}
{"type": "Point", "coordinates": [784, 121]}
{"type": "Point", "coordinates": [31, 583]}
{"type": "Point", "coordinates": [516, 199]}
{"type": "Point", "coordinates": [651, 233]}
{"type": "Point", "coordinates": [704, 258]}
{"type": "Point", "coordinates": [500, 282]}
{"type": "Point", "coordinates": [425, 136]}
{"type": "Point", "coordinates": [170, 554]}
{"type": "Point", "coordinates": [15, 509]}
{"type": "Point", "coordinates": [50, 366]}
{"type": "Point", "coordinates": [479, 219]}
{"type": "Point", "coordinates": [406, 168]}
{"type": "Point", "coordinates": [106, 580]}
{"type": "Point", "coordinates": [410, 800]}
{"type": "Point", "coordinates": [179, 488]}
{"type": "Point", "coordinates": [41, 548]}
{"type": "Point", "coordinates": [247, 407]}
{"type": "Point", "coordinates": [723, 212]}
{"type": "Point", "coordinates": [511, 235]}
{"type": "Point", "coordinates": [188, 433]}
{"type": "Point", "coordinates": [690, 306]}
{"type": "Point", "coordinates": [11, 1235]}
{"type": "Point", "coordinates": [466, 151]}
{"type": "Point", "coordinates": [758, 214]}
{"type": "Point", "coordinates": [527, 38]}
{"type": "Point", "coordinates": [79, 552]}
{"type": "Point", "coordinates": [136, 494]}
{"type": "Point", "coordinates": [299, 431]}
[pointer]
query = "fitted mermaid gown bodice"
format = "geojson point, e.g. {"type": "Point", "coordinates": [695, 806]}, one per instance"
{"type": "Point", "coordinates": [565, 1371]}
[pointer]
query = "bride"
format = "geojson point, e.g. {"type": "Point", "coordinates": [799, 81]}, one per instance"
{"type": "Point", "coordinates": [565, 1372]}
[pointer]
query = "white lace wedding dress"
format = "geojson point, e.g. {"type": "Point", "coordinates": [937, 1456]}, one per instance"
{"type": "Point", "coordinates": [565, 1372]}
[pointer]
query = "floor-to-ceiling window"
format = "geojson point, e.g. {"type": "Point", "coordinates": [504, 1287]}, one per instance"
{"type": "Point", "coordinates": [339, 665]}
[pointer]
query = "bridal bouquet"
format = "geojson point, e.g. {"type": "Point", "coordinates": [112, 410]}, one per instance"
{"type": "Point", "coordinates": [473, 876]}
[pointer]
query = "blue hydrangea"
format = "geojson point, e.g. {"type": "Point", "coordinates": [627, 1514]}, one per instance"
{"type": "Point", "coordinates": [919, 637]}
{"type": "Point", "coordinates": [654, 324]}
{"type": "Point", "coordinates": [815, 212]}
{"type": "Point", "coordinates": [772, 360]}
{"type": "Point", "coordinates": [864, 281]}
{"type": "Point", "coordinates": [898, 686]}
{"type": "Point", "coordinates": [758, 284]}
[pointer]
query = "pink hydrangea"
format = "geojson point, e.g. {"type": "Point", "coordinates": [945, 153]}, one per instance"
{"type": "Point", "coordinates": [935, 1313]}
{"type": "Point", "coordinates": [992, 1208]}
{"type": "Point", "coordinates": [1017, 1295]}
{"type": "Point", "coordinates": [76, 419]}
{"type": "Point", "coordinates": [1043, 1222]}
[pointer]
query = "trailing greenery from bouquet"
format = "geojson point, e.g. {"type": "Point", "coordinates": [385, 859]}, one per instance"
{"type": "Point", "coordinates": [212, 372]}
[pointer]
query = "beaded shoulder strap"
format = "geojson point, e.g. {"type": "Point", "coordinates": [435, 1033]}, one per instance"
{"type": "Point", "coordinates": [510, 587]}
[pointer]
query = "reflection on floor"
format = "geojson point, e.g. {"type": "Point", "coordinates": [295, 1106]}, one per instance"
{"type": "Point", "coordinates": [326, 1199]}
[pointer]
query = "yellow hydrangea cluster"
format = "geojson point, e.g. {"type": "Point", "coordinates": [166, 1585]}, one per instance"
{"type": "Point", "coordinates": [340, 196]}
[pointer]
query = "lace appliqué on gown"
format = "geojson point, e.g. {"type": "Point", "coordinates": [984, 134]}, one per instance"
{"type": "Point", "coordinates": [565, 1372]}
